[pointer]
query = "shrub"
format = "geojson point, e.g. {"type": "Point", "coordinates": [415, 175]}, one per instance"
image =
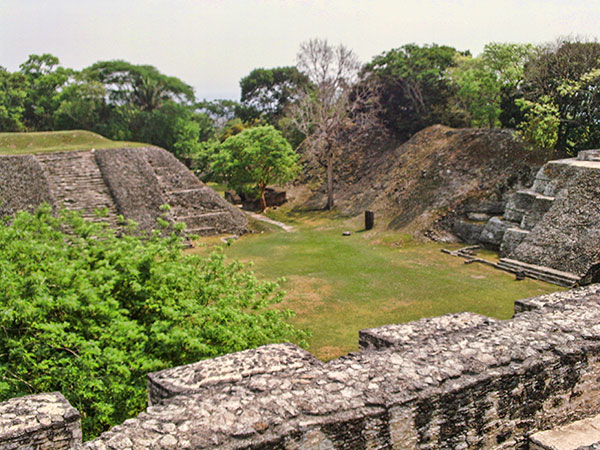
{"type": "Point", "coordinates": [88, 313]}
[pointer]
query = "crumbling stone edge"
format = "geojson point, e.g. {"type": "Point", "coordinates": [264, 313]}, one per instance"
{"type": "Point", "coordinates": [455, 381]}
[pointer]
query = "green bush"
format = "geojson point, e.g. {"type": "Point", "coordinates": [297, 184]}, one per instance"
{"type": "Point", "coordinates": [89, 313]}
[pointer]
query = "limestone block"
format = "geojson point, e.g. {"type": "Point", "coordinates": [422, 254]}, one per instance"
{"type": "Point", "coordinates": [39, 421]}
{"type": "Point", "coordinates": [493, 233]}
{"type": "Point", "coordinates": [468, 231]}
{"type": "Point", "coordinates": [511, 240]}
{"type": "Point", "coordinates": [583, 433]}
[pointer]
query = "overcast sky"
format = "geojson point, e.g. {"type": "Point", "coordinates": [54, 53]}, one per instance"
{"type": "Point", "coordinates": [211, 44]}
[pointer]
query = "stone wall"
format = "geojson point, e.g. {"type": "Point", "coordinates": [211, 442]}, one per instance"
{"type": "Point", "coordinates": [23, 185]}
{"type": "Point", "coordinates": [568, 237]}
{"type": "Point", "coordinates": [133, 185]}
{"type": "Point", "coordinates": [456, 381]}
{"type": "Point", "coordinates": [44, 421]}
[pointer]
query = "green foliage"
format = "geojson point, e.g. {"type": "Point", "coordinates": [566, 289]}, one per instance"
{"type": "Point", "coordinates": [485, 84]}
{"type": "Point", "coordinates": [541, 123]}
{"type": "Point", "coordinates": [415, 91]}
{"type": "Point", "coordinates": [266, 92]}
{"type": "Point", "coordinates": [141, 86]}
{"type": "Point", "coordinates": [88, 313]}
{"type": "Point", "coordinates": [12, 100]}
{"type": "Point", "coordinates": [565, 75]}
{"type": "Point", "coordinates": [45, 79]}
{"type": "Point", "coordinates": [258, 156]}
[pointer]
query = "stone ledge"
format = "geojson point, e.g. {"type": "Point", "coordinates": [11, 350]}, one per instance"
{"type": "Point", "coordinates": [39, 421]}
{"type": "Point", "coordinates": [581, 434]}
{"type": "Point", "coordinates": [275, 359]}
{"type": "Point", "coordinates": [489, 386]}
{"type": "Point", "coordinates": [407, 334]}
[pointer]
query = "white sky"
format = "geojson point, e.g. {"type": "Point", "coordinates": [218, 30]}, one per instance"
{"type": "Point", "coordinates": [212, 44]}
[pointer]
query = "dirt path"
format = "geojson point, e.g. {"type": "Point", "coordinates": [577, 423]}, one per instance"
{"type": "Point", "coordinates": [262, 218]}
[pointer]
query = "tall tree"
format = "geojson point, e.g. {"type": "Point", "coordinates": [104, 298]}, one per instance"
{"type": "Point", "coordinates": [333, 106]}
{"type": "Point", "coordinates": [141, 86]}
{"type": "Point", "coordinates": [415, 91]}
{"type": "Point", "coordinates": [258, 156]}
{"type": "Point", "coordinates": [487, 84]}
{"type": "Point", "coordinates": [267, 92]}
{"type": "Point", "coordinates": [13, 90]}
{"type": "Point", "coordinates": [45, 77]}
{"type": "Point", "coordinates": [561, 81]}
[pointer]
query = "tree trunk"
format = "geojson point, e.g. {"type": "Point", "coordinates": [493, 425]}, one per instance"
{"type": "Point", "coordinates": [329, 205]}
{"type": "Point", "coordinates": [263, 200]}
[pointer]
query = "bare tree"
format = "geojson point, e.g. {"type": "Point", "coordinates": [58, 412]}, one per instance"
{"type": "Point", "coordinates": [335, 106]}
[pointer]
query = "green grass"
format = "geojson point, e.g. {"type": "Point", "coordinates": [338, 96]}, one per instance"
{"type": "Point", "coordinates": [56, 141]}
{"type": "Point", "coordinates": [340, 284]}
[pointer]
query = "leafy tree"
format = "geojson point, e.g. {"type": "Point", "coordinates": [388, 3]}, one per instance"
{"type": "Point", "coordinates": [88, 313]}
{"type": "Point", "coordinates": [220, 112]}
{"type": "Point", "coordinates": [489, 82]}
{"type": "Point", "coordinates": [83, 106]}
{"type": "Point", "coordinates": [13, 90]}
{"type": "Point", "coordinates": [333, 106]}
{"type": "Point", "coordinates": [561, 81]}
{"type": "Point", "coordinates": [415, 92]}
{"type": "Point", "coordinates": [266, 92]}
{"type": "Point", "coordinates": [141, 86]}
{"type": "Point", "coordinates": [259, 156]}
{"type": "Point", "coordinates": [45, 78]}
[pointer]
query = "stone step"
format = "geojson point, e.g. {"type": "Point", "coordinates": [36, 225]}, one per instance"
{"type": "Point", "coordinates": [201, 231]}
{"type": "Point", "coordinates": [77, 184]}
{"type": "Point", "coordinates": [582, 434]}
{"type": "Point", "coordinates": [539, 272]}
{"type": "Point", "coordinates": [211, 219]}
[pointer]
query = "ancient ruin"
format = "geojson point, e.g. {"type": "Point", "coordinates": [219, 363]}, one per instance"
{"type": "Point", "coordinates": [456, 381]}
{"type": "Point", "coordinates": [132, 182]}
{"type": "Point", "coordinates": [550, 231]}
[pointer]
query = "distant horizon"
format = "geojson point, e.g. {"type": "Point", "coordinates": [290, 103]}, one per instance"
{"type": "Point", "coordinates": [211, 45]}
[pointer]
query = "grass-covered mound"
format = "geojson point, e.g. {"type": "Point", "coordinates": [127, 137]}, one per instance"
{"type": "Point", "coordinates": [89, 314]}
{"type": "Point", "coordinates": [56, 141]}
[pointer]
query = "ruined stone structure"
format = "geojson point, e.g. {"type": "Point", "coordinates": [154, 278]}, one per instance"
{"type": "Point", "coordinates": [133, 182]}
{"type": "Point", "coordinates": [458, 381]}
{"type": "Point", "coordinates": [552, 230]}
{"type": "Point", "coordinates": [44, 421]}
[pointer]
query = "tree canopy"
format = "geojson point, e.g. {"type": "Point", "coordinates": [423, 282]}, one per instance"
{"type": "Point", "coordinates": [415, 91]}
{"type": "Point", "coordinates": [259, 156]}
{"type": "Point", "coordinates": [266, 92]}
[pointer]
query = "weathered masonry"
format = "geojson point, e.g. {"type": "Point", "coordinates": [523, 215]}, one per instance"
{"type": "Point", "coordinates": [457, 381]}
{"type": "Point", "coordinates": [133, 182]}
{"type": "Point", "coordinates": [550, 231]}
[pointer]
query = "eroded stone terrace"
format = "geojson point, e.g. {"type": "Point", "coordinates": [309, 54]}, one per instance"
{"type": "Point", "coordinates": [457, 381]}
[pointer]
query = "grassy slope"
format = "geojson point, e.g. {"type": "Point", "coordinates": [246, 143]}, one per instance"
{"type": "Point", "coordinates": [339, 285]}
{"type": "Point", "coordinates": [56, 141]}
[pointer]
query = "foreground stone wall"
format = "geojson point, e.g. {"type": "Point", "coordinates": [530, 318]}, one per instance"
{"type": "Point", "coordinates": [456, 381]}
{"type": "Point", "coordinates": [39, 421]}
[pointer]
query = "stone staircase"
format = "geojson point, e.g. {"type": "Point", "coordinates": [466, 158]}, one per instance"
{"type": "Point", "coordinates": [186, 203]}
{"type": "Point", "coordinates": [538, 272]}
{"type": "Point", "coordinates": [76, 183]}
{"type": "Point", "coordinates": [527, 208]}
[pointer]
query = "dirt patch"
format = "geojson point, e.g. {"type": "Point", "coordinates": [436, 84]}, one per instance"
{"type": "Point", "coordinates": [305, 293]}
